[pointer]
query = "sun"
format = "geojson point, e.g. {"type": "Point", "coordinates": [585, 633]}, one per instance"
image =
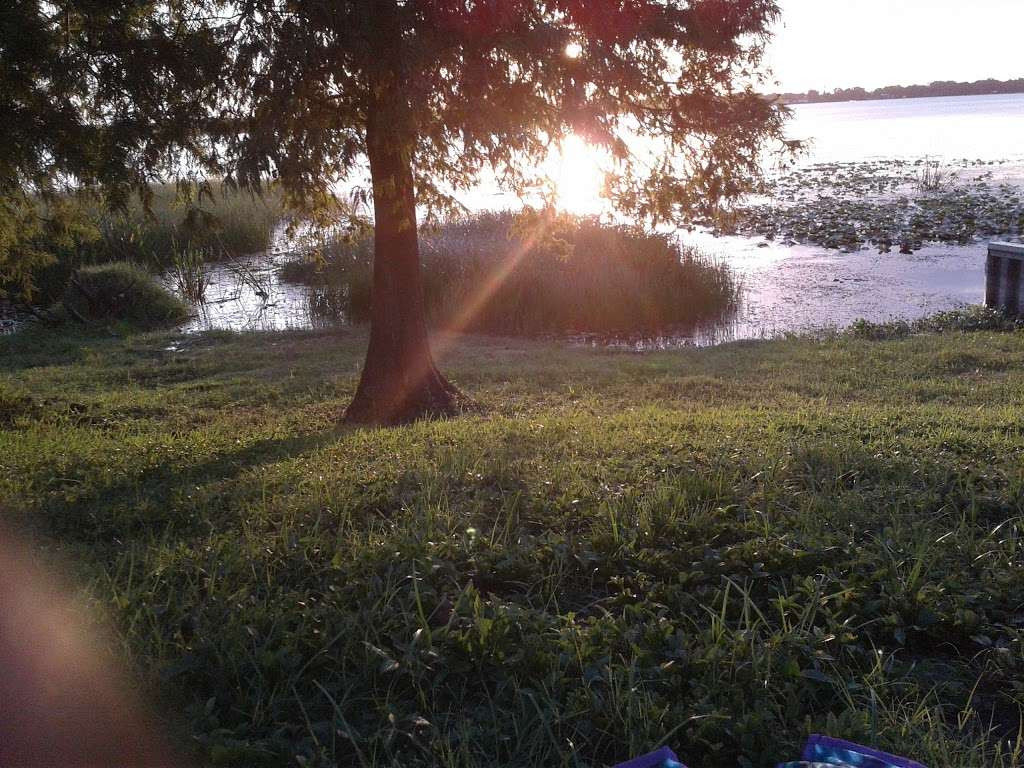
{"type": "Point", "coordinates": [577, 176]}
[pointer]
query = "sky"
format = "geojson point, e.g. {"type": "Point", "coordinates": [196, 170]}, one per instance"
{"type": "Point", "coordinates": [827, 44]}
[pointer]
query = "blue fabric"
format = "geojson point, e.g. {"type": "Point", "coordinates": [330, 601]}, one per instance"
{"type": "Point", "coordinates": [663, 758]}
{"type": "Point", "coordinates": [819, 752]}
{"type": "Point", "coordinates": [826, 752]}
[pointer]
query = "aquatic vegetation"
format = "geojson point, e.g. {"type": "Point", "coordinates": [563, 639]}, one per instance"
{"type": "Point", "coordinates": [884, 204]}
{"type": "Point", "coordinates": [488, 275]}
{"type": "Point", "coordinates": [189, 275]}
{"type": "Point", "coordinates": [226, 224]}
{"type": "Point", "coordinates": [975, 318]}
{"type": "Point", "coordinates": [933, 177]}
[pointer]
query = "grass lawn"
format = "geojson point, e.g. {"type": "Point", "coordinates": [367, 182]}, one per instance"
{"type": "Point", "coordinates": [722, 550]}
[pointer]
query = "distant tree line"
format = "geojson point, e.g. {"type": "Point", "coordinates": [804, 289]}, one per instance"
{"type": "Point", "coordinates": [938, 88]}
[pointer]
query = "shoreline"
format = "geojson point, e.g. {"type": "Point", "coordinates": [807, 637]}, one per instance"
{"type": "Point", "coordinates": [788, 103]}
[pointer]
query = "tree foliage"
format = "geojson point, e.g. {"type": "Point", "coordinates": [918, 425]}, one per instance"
{"type": "Point", "coordinates": [488, 86]}
{"type": "Point", "coordinates": [115, 93]}
{"type": "Point", "coordinates": [94, 95]}
{"type": "Point", "coordinates": [428, 95]}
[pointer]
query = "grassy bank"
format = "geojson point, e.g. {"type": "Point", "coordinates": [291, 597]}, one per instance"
{"type": "Point", "coordinates": [490, 274]}
{"type": "Point", "coordinates": [177, 233]}
{"type": "Point", "coordinates": [721, 549]}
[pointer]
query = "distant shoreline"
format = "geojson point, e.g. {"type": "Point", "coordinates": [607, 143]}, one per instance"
{"type": "Point", "coordinates": [903, 92]}
{"type": "Point", "coordinates": [893, 98]}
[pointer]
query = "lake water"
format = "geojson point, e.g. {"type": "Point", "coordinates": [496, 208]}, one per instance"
{"type": "Point", "coordinates": [989, 128]}
{"type": "Point", "coordinates": [790, 288]}
{"type": "Point", "coordinates": [247, 295]}
{"type": "Point", "coordinates": [800, 288]}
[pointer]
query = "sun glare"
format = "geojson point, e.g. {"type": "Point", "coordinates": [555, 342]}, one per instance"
{"type": "Point", "coordinates": [577, 176]}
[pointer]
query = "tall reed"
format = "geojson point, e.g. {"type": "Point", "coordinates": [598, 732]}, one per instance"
{"type": "Point", "coordinates": [189, 274]}
{"type": "Point", "coordinates": [933, 177]}
{"type": "Point", "coordinates": [486, 274]}
{"type": "Point", "coordinates": [229, 223]}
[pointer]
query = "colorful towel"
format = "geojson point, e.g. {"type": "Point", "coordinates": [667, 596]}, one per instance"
{"type": "Point", "coordinates": [826, 752]}
{"type": "Point", "coordinates": [663, 758]}
{"type": "Point", "coordinates": [819, 752]}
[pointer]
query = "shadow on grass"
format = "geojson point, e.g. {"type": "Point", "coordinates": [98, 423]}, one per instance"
{"type": "Point", "coordinates": [38, 347]}
{"type": "Point", "coordinates": [172, 499]}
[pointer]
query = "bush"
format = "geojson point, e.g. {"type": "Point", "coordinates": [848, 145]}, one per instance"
{"type": "Point", "coordinates": [485, 274]}
{"type": "Point", "coordinates": [121, 291]}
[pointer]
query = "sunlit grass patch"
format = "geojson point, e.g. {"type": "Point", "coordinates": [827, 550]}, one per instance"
{"type": "Point", "coordinates": [725, 548]}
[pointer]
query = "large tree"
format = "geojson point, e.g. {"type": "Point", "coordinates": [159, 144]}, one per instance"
{"type": "Point", "coordinates": [421, 96]}
{"type": "Point", "coordinates": [426, 95]}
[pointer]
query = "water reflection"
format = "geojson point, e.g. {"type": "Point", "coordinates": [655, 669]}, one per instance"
{"type": "Point", "coordinates": [944, 128]}
{"type": "Point", "coordinates": [726, 330]}
{"type": "Point", "coordinates": [785, 289]}
{"type": "Point", "coordinates": [248, 295]}
{"type": "Point", "coordinates": [798, 288]}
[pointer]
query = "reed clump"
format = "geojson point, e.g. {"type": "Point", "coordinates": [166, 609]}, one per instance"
{"type": "Point", "coordinates": [223, 223]}
{"type": "Point", "coordinates": [933, 177]}
{"type": "Point", "coordinates": [492, 273]}
{"type": "Point", "coordinates": [189, 274]}
{"type": "Point", "coordinates": [177, 226]}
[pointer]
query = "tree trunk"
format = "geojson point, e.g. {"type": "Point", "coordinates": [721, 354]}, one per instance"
{"type": "Point", "coordinates": [400, 382]}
